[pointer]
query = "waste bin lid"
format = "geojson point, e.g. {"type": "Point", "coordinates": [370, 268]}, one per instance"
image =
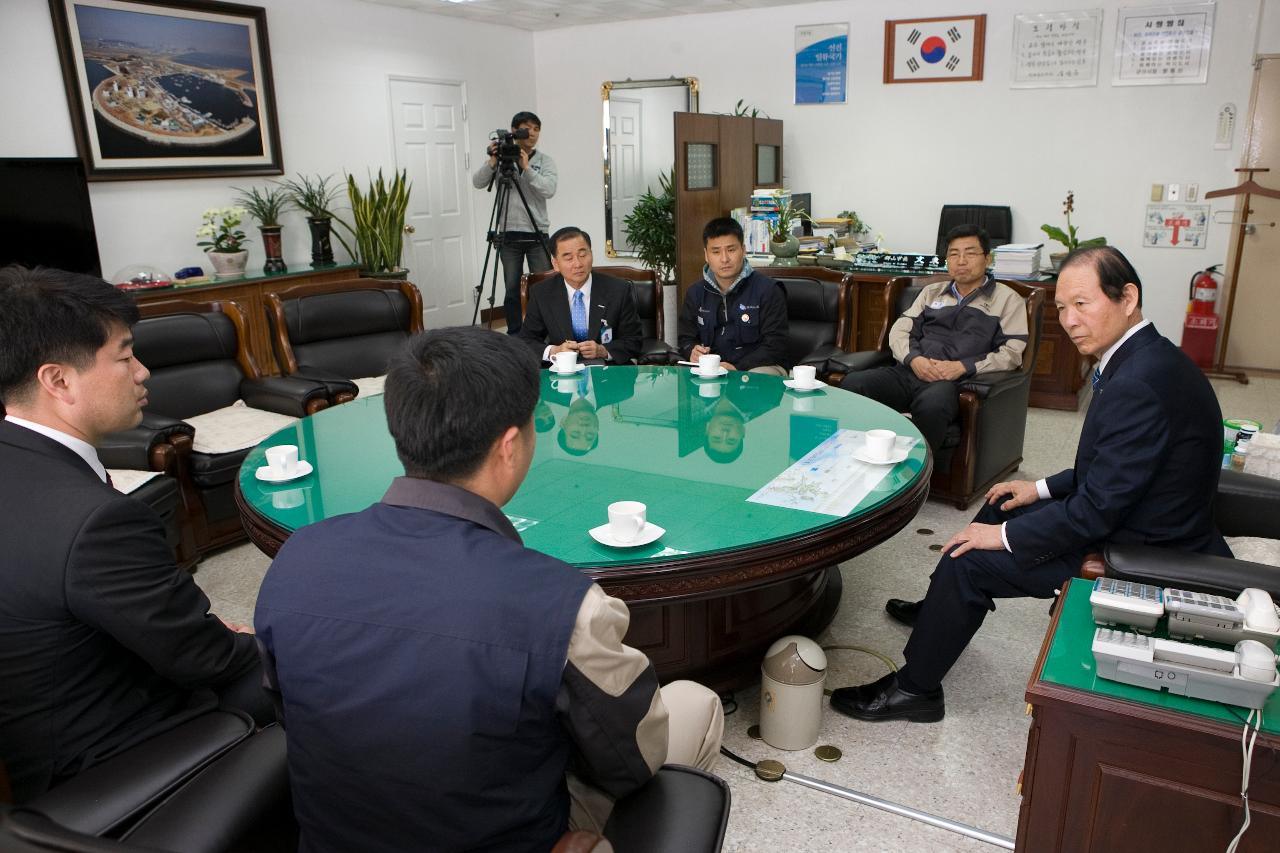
{"type": "Point", "coordinates": [795, 660]}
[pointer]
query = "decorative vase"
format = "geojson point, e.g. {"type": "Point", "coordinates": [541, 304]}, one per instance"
{"type": "Point", "coordinates": [321, 249]}
{"type": "Point", "coordinates": [229, 265]}
{"type": "Point", "coordinates": [1057, 258]}
{"type": "Point", "coordinates": [785, 251]}
{"type": "Point", "coordinates": [272, 246]}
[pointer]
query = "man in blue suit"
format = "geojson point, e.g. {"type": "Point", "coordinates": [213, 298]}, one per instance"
{"type": "Point", "coordinates": [1146, 471]}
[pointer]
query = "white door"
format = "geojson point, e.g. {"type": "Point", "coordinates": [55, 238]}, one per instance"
{"type": "Point", "coordinates": [626, 163]}
{"type": "Point", "coordinates": [430, 142]}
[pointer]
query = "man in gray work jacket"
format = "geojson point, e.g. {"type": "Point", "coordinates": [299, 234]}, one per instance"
{"type": "Point", "coordinates": [955, 329]}
{"type": "Point", "coordinates": [537, 180]}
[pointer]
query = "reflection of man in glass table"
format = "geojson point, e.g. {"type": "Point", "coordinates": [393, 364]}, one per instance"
{"type": "Point", "coordinates": [750, 548]}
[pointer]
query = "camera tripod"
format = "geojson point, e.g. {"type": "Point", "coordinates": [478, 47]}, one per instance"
{"type": "Point", "coordinates": [505, 178]}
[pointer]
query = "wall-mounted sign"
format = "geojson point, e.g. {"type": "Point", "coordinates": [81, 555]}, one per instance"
{"type": "Point", "coordinates": [1176, 226]}
{"type": "Point", "coordinates": [1163, 45]}
{"type": "Point", "coordinates": [1056, 49]}
{"type": "Point", "coordinates": [822, 59]}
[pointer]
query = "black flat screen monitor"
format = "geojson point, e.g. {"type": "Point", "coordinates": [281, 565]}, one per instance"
{"type": "Point", "coordinates": [45, 218]}
{"type": "Point", "coordinates": [804, 203]}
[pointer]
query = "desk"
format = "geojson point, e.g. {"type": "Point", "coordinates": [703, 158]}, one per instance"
{"type": "Point", "coordinates": [729, 576]}
{"type": "Point", "coordinates": [1112, 766]}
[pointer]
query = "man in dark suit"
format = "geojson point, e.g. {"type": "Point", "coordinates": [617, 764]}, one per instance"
{"type": "Point", "coordinates": [1146, 471]}
{"type": "Point", "coordinates": [104, 642]}
{"type": "Point", "coordinates": [591, 314]}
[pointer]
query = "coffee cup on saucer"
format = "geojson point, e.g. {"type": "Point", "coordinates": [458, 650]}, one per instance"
{"type": "Point", "coordinates": [566, 361]}
{"type": "Point", "coordinates": [626, 520]}
{"type": "Point", "coordinates": [709, 364]}
{"type": "Point", "coordinates": [880, 444]}
{"type": "Point", "coordinates": [805, 374]}
{"type": "Point", "coordinates": [282, 460]}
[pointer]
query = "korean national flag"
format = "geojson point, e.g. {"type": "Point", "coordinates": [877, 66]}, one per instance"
{"type": "Point", "coordinates": [933, 50]}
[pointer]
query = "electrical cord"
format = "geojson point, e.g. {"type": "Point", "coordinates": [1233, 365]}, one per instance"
{"type": "Point", "coordinates": [1246, 754]}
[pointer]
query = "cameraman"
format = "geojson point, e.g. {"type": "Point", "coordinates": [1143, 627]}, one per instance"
{"type": "Point", "coordinates": [536, 176]}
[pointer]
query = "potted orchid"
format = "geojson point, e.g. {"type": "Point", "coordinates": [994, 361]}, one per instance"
{"type": "Point", "coordinates": [224, 241]}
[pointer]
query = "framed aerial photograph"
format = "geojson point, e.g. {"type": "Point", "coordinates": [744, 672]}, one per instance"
{"type": "Point", "coordinates": [168, 88]}
{"type": "Point", "coordinates": [934, 50]}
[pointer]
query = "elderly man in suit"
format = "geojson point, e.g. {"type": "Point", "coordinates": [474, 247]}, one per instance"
{"type": "Point", "coordinates": [591, 314]}
{"type": "Point", "coordinates": [103, 640]}
{"type": "Point", "coordinates": [1146, 471]}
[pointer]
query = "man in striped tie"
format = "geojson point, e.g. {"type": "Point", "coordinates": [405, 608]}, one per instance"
{"type": "Point", "coordinates": [1146, 470]}
{"type": "Point", "coordinates": [592, 314]}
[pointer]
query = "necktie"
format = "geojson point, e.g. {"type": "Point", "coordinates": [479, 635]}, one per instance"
{"type": "Point", "coordinates": [578, 314]}
{"type": "Point", "coordinates": [1096, 378]}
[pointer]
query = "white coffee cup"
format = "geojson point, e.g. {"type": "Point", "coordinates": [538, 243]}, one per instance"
{"type": "Point", "coordinates": [626, 520]}
{"type": "Point", "coordinates": [566, 360]}
{"type": "Point", "coordinates": [801, 403]}
{"type": "Point", "coordinates": [804, 374]}
{"type": "Point", "coordinates": [287, 499]}
{"type": "Point", "coordinates": [283, 460]}
{"type": "Point", "coordinates": [709, 389]}
{"type": "Point", "coordinates": [880, 443]}
{"type": "Point", "coordinates": [709, 364]}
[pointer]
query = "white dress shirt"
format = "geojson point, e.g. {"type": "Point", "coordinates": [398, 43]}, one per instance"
{"type": "Point", "coordinates": [1042, 485]}
{"type": "Point", "coordinates": [586, 301]}
{"type": "Point", "coordinates": [83, 449]}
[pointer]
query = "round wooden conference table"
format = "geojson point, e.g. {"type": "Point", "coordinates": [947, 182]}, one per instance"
{"type": "Point", "coordinates": [752, 534]}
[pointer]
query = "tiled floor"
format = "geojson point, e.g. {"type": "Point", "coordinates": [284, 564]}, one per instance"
{"type": "Point", "coordinates": [964, 768]}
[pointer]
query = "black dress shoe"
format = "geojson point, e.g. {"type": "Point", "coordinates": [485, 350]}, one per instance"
{"type": "Point", "coordinates": [901, 610]}
{"type": "Point", "coordinates": [883, 700]}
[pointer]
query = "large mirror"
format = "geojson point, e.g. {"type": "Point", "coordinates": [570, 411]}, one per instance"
{"type": "Point", "coordinates": [639, 145]}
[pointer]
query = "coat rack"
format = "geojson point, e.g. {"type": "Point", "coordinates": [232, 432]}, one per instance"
{"type": "Point", "coordinates": [1246, 188]}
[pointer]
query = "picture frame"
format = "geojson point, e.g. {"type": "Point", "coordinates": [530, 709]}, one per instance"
{"type": "Point", "coordinates": [935, 50]}
{"type": "Point", "coordinates": [168, 88]}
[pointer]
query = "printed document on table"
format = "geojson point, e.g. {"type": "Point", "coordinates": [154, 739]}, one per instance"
{"type": "Point", "coordinates": [828, 479]}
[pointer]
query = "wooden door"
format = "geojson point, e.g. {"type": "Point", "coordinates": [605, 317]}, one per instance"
{"type": "Point", "coordinates": [1253, 342]}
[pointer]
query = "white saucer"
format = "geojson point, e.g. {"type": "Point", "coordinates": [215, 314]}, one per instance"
{"type": "Point", "coordinates": [581, 367]}
{"type": "Point", "coordinates": [650, 533]}
{"type": "Point", "coordinates": [267, 476]}
{"type": "Point", "coordinates": [894, 458]}
{"type": "Point", "coordinates": [723, 371]}
{"type": "Point", "coordinates": [794, 385]}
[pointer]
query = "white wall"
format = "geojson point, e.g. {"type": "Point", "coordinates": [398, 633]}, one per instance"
{"type": "Point", "coordinates": [897, 153]}
{"type": "Point", "coordinates": [330, 59]}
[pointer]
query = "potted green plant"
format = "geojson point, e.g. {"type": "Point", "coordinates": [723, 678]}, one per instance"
{"type": "Point", "coordinates": [784, 245]}
{"type": "Point", "coordinates": [267, 206]}
{"type": "Point", "coordinates": [224, 241]}
{"type": "Point", "coordinates": [377, 224]}
{"type": "Point", "coordinates": [651, 229]}
{"type": "Point", "coordinates": [856, 226]}
{"type": "Point", "coordinates": [1068, 238]}
{"type": "Point", "coordinates": [315, 197]}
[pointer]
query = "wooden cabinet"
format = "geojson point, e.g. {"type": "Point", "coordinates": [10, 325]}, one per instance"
{"type": "Point", "coordinates": [248, 294]}
{"type": "Point", "coordinates": [1060, 369]}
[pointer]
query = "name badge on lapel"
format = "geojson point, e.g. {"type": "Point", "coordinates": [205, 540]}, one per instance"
{"type": "Point", "coordinates": [606, 333]}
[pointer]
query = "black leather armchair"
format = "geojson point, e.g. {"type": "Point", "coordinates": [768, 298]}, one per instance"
{"type": "Point", "coordinates": [818, 307]}
{"type": "Point", "coordinates": [208, 786]}
{"type": "Point", "coordinates": [334, 332]}
{"type": "Point", "coordinates": [985, 444]}
{"type": "Point", "coordinates": [199, 362]}
{"type": "Point", "coordinates": [1245, 505]}
{"type": "Point", "coordinates": [647, 291]}
{"type": "Point", "coordinates": [996, 220]}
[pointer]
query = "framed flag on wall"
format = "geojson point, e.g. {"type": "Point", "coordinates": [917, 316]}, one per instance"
{"type": "Point", "coordinates": [934, 50]}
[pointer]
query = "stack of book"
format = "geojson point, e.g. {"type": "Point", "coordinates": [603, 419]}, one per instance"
{"type": "Point", "coordinates": [1017, 260]}
{"type": "Point", "coordinates": [764, 215]}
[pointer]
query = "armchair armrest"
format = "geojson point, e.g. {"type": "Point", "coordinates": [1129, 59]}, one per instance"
{"type": "Point", "coordinates": [821, 356]}
{"type": "Point", "coordinates": [136, 448]}
{"type": "Point", "coordinates": [852, 362]}
{"type": "Point", "coordinates": [112, 792]}
{"type": "Point", "coordinates": [654, 351]}
{"type": "Point", "coordinates": [679, 810]}
{"type": "Point", "coordinates": [1186, 570]}
{"type": "Point", "coordinates": [993, 384]}
{"type": "Point", "coordinates": [1247, 505]}
{"type": "Point", "coordinates": [285, 395]}
{"type": "Point", "coordinates": [335, 383]}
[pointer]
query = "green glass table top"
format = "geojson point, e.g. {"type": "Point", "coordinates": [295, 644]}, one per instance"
{"type": "Point", "coordinates": [1070, 663]}
{"type": "Point", "coordinates": [693, 450]}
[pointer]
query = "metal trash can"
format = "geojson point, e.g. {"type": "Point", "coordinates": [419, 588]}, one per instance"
{"type": "Point", "coordinates": [793, 674]}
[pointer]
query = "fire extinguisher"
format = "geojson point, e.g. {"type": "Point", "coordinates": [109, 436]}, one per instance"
{"type": "Point", "coordinates": [1204, 291]}
{"type": "Point", "coordinates": [1200, 329]}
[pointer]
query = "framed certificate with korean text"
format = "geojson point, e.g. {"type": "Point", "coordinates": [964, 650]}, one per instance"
{"type": "Point", "coordinates": [1056, 49]}
{"type": "Point", "coordinates": [934, 50]}
{"type": "Point", "coordinates": [1163, 45]}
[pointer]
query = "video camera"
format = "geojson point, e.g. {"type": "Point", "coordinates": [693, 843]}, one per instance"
{"type": "Point", "coordinates": [505, 147]}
